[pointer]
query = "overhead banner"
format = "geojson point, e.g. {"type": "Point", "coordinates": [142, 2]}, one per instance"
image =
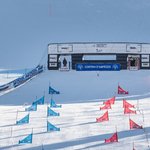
{"type": "Point", "coordinates": [98, 67]}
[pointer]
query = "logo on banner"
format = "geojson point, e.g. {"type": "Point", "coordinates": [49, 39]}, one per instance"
{"type": "Point", "coordinates": [115, 66]}
{"type": "Point", "coordinates": [80, 66]}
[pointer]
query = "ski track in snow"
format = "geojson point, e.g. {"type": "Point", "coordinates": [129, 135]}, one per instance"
{"type": "Point", "coordinates": [80, 101]}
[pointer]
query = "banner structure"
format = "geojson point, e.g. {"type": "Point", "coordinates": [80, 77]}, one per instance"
{"type": "Point", "coordinates": [113, 138]}
{"type": "Point", "coordinates": [53, 91]}
{"type": "Point", "coordinates": [53, 104]}
{"type": "Point", "coordinates": [106, 106]}
{"type": "Point", "coordinates": [33, 107]}
{"type": "Point", "coordinates": [51, 127]}
{"type": "Point", "coordinates": [23, 120]}
{"type": "Point", "coordinates": [39, 101]}
{"type": "Point", "coordinates": [26, 140]}
{"type": "Point", "coordinates": [50, 112]}
{"type": "Point", "coordinates": [126, 104]}
{"type": "Point", "coordinates": [129, 111]}
{"type": "Point", "coordinates": [134, 125]}
{"type": "Point", "coordinates": [122, 91]}
{"type": "Point", "coordinates": [110, 101]}
{"type": "Point", "coordinates": [103, 118]}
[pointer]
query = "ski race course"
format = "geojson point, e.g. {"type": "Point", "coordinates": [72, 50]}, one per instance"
{"type": "Point", "coordinates": [81, 96]}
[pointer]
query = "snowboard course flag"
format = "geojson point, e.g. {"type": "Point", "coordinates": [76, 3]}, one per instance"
{"type": "Point", "coordinates": [126, 104]}
{"type": "Point", "coordinates": [134, 125]}
{"type": "Point", "coordinates": [53, 91]}
{"type": "Point", "coordinates": [23, 120]}
{"type": "Point", "coordinates": [53, 104]}
{"type": "Point", "coordinates": [110, 101]}
{"type": "Point", "coordinates": [51, 127]}
{"type": "Point", "coordinates": [26, 140]}
{"type": "Point", "coordinates": [39, 101]}
{"type": "Point", "coordinates": [113, 138]}
{"type": "Point", "coordinates": [129, 111]}
{"type": "Point", "coordinates": [106, 106]}
{"type": "Point", "coordinates": [122, 91]}
{"type": "Point", "coordinates": [50, 112]}
{"type": "Point", "coordinates": [33, 107]}
{"type": "Point", "coordinates": [103, 118]}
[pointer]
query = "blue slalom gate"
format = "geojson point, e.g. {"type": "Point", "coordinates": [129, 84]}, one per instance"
{"type": "Point", "coordinates": [33, 107]}
{"type": "Point", "coordinates": [39, 101]}
{"type": "Point", "coordinates": [53, 104]}
{"type": "Point", "coordinates": [26, 140]}
{"type": "Point", "coordinates": [53, 91]}
{"type": "Point", "coordinates": [51, 127]}
{"type": "Point", "coordinates": [24, 120]}
{"type": "Point", "coordinates": [50, 112]}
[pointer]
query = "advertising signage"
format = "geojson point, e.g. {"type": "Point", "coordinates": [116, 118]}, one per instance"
{"type": "Point", "coordinates": [98, 67]}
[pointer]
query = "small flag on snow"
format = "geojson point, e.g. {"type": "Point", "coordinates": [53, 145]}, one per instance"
{"type": "Point", "coordinates": [129, 111]}
{"type": "Point", "coordinates": [51, 127]}
{"type": "Point", "coordinates": [26, 140]}
{"type": "Point", "coordinates": [39, 101]}
{"type": "Point", "coordinates": [106, 106]}
{"type": "Point", "coordinates": [122, 91]}
{"type": "Point", "coordinates": [110, 101]}
{"type": "Point", "coordinates": [23, 120]}
{"type": "Point", "coordinates": [50, 112]}
{"type": "Point", "coordinates": [33, 107]}
{"type": "Point", "coordinates": [53, 91]}
{"type": "Point", "coordinates": [113, 138]}
{"type": "Point", "coordinates": [53, 104]}
{"type": "Point", "coordinates": [103, 118]}
{"type": "Point", "coordinates": [126, 104]}
{"type": "Point", "coordinates": [134, 125]}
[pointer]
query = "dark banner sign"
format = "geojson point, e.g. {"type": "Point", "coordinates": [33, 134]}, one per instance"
{"type": "Point", "coordinates": [98, 67]}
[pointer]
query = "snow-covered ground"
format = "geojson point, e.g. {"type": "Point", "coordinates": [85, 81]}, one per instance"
{"type": "Point", "coordinates": [82, 93]}
{"type": "Point", "coordinates": [79, 129]}
{"type": "Point", "coordinates": [80, 86]}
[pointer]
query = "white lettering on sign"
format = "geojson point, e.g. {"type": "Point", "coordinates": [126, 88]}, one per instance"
{"type": "Point", "coordinates": [52, 58]}
{"type": "Point", "coordinates": [145, 58]}
{"type": "Point", "coordinates": [65, 48]}
{"type": "Point", "coordinates": [52, 64]}
{"type": "Point", "coordinates": [145, 64]}
{"type": "Point", "coordinates": [133, 47]}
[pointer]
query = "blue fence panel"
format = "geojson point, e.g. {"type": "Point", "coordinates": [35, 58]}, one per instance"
{"type": "Point", "coordinates": [23, 78]}
{"type": "Point", "coordinates": [28, 76]}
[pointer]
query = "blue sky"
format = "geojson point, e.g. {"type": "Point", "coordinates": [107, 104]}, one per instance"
{"type": "Point", "coordinates": [28, 26]}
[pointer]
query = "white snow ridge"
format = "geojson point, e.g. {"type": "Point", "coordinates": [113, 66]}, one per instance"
{"type": "Point", "coordinates": [81, 96]}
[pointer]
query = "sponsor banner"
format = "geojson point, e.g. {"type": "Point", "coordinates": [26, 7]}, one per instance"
{"type": "Point", "coordinates": [98, 67]}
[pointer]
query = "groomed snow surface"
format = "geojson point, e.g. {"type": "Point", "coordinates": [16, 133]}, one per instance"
{"type": "Point", "coordinates": [82, 93]}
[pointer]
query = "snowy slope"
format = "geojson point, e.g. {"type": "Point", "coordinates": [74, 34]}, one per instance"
{"type": "Point", "coordinates": [81, 95]}
{"type": "Point", "coordinates": [78, 127]}
{"type": "Point", "coordinates": [80, 86]}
